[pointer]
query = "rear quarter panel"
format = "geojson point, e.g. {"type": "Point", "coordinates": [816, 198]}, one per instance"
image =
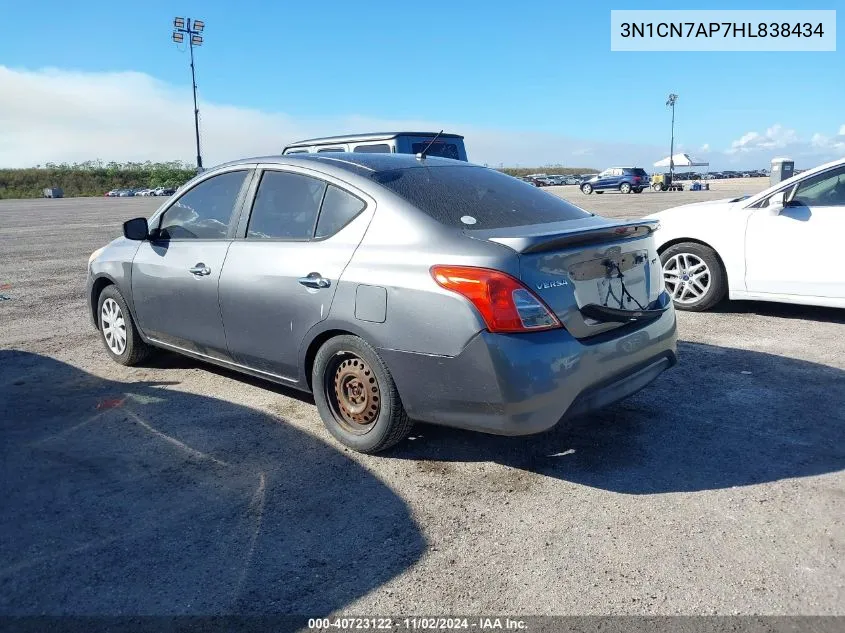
{"type": "Point", "coordinates": [397, 252]}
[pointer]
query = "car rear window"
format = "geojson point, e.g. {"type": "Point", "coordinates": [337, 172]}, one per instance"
{"type": "Point", "coordinates": [476, 197]}
{"type": "Point", "coordinates": [438, 148]}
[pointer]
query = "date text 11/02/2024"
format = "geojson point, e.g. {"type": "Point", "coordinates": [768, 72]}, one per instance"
{"type": "Point", "coordinates": [720, 29]}
{"type": "Point", "coordinates": [417, 624]}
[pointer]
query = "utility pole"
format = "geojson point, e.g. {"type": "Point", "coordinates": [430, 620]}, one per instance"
{"type": "Point", "coordinates": [670, 103]}
{"type": "Point", "coordinates": [182, 27]}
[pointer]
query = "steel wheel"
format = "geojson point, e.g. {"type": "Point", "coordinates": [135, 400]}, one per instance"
{"type": "Point", "coordinates": [353, 393]}
{"type": "Point", "coordinates": [625, 188]}
{"type": "Point", "coordinates": [687, 278]}
{"type": "Point", "coordinates": [587, 188]}
{"type": "Point", "coordinates": [114, 326]}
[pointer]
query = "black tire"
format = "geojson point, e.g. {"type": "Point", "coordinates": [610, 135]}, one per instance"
{"type": "Point", "coordinates": [718, 278]}
{"type": "Point", "coordinates": [656, 187]}
{"type": "Point", "coordinates": [598, 192]}
{"type": "Point", "coordinates": [587, 188]}
{"type": "Point", "coordinates": [135, 350]}
{"type": "Point", "coordinates": [625, 187]}
{"type": "Point", "coordinates": [638, 190]}
{"type": "Point", "coordinates": [387, 425]}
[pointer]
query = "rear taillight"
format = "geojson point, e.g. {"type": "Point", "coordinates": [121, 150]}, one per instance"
{"type": "Point", "coordinates": [505, 304]}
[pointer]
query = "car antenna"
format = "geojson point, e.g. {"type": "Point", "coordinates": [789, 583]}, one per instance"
{"type": "Point", "coordinates": [421, 155]}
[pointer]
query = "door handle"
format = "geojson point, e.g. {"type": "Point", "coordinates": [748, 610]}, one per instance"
{"type": "Point", "coordinates": [200, 270]}
{"type": "Point", "coordinates": [314, 280]}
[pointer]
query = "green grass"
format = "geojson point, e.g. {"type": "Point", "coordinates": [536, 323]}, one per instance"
{"type": "Point", "coordinates": [92, 178]}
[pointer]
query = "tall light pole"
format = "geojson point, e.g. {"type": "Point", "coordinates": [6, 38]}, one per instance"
{"type": "Point", "coordinates": [670, 103]}
{"type": "Point", "coordinates": [181, 28]}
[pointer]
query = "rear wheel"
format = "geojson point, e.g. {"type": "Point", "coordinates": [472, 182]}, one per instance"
{"type": "Point", "coordinates": [587, 188]}
{"type": "Point", "coordinates": [625, 188]}
{"type": "Point", "coordinates": [117, 329]}
{"type": "Point", "coordinates": [356, 396]}
{"type": "Point", "coordinates": [638, 190]}
{"type": "Point", "coordinates": [694, 276]}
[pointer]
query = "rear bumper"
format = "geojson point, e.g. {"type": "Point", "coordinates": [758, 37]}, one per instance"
{"type": "Point", "coordinates": [519, 384]}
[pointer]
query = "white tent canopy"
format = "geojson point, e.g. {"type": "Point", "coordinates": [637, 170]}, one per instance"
{"type": "Point", "coordinates": [680, 160]}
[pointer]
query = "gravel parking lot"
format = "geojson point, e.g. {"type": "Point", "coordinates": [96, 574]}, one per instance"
{"type": "Point", "coordinates": [181, 488]}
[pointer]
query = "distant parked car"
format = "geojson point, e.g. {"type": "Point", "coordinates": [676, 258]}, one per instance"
{"type": "Point", "coordinates": [531, 181]}
{"type": "Point", "coordinates": [571, 180]}
{"type": "Point", "coordinates": [163, 191]}
{"type": "Point", "coordinates": [53, 192]}
{"type": "Point", "coordinates": [622, 179]}
{"type": "Point", "coordinates": [125, 193]}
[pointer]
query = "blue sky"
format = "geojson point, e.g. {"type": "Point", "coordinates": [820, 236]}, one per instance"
{"type": "Point", "coordinates": [533, 70]}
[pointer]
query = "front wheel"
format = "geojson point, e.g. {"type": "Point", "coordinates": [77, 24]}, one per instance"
{"type": "Point", "coordinates": [625, 188]}
{"type": "Point", "coordinates": [356, 396]}
{"type": "Point", "coordinates": [694, 276]}
{"type": "Point", "coordinates": [119, 334]}
{"type": "Point", "coordinates": [587, 188]}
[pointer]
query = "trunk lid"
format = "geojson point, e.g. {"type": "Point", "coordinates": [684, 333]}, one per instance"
{"type": "Point", "coordinates": [594, 274]}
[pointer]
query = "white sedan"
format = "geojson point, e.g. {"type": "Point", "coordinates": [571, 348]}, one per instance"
{"type": "Point", "coordinates": [783, 244]}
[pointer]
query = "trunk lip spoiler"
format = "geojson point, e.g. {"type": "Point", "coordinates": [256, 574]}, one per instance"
{"type": "Point", "coordinates": [549, 237]}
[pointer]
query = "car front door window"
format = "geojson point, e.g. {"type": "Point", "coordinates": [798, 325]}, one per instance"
{"type": "Point", "coordinates": [205, 211]}
{"type": "Point", "coordinates": [822, 190]}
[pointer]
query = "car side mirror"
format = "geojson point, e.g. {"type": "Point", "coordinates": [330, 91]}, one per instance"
{"type": "Point", "coordinates": [136, 229]}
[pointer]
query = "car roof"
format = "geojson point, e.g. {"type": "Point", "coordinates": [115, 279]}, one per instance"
{"type": "Point", "coordinates": [363, 164]}
{"type": "Point", "coordinates": [372, 136]}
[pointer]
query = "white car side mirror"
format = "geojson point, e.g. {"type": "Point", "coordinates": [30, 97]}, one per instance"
{"type": "Point", "coordinates": [779, 201]}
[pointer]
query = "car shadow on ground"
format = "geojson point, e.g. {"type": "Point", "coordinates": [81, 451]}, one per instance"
{"type": "Point", "coordinates": [131, 498]}
{"type": "Point", "coordinates": [163, 359]}
{"type": "Point", "coordinates": [782, 310]}
{"type": "Point", "coordinates": [721, 418]}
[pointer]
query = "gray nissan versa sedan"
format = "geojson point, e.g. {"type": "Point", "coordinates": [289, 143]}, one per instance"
{"type": "Point", "coordinates": [395, 288]}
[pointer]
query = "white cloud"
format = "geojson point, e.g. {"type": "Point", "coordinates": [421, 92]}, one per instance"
{"type": "Point", "coordinates": [819, 148]}
{"type": "Point", "coordinates": [53, 115]}
{"type": "Point", "coordinates": [704, 148]}
{"type": "Point", "coordinates": [65, 116]}
{"type": "Point", "coordinates": [776, 137]}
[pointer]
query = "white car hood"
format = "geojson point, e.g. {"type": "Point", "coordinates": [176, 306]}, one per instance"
{"type": "Point", "coordinates": [706, 206]}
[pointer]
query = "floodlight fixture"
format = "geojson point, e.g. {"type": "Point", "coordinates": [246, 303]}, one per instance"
{"type": "Point", "coordinates": [198, 25]}
{"type": "Point", "coordinates": [196, 40]}
{"type": "Point", "coordinates": [178, 23]}
{"type": "Point", "coordinates": [178, 37]}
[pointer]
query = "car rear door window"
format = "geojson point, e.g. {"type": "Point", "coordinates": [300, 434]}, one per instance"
{"type": "Point", "coordinates": [285, 207]}
{"type": "Point", "coordinates": [476, 197]}
{"type": "Point", "coordinates": [204, 212]}
{"type": "Point", "coordinates": [338, 210]}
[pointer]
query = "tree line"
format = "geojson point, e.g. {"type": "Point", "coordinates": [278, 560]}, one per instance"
{"type": "Point", "coordinates": [92, 178]}
{"type": "Point", "coordinates": [95, 178]}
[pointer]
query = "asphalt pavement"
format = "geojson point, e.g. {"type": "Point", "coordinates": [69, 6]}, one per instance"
{"type": "Point", "coordinates": [182, 488]}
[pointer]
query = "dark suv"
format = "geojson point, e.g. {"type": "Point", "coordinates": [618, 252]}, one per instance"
{"type": "Point", "coordinates": [622, 179]}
